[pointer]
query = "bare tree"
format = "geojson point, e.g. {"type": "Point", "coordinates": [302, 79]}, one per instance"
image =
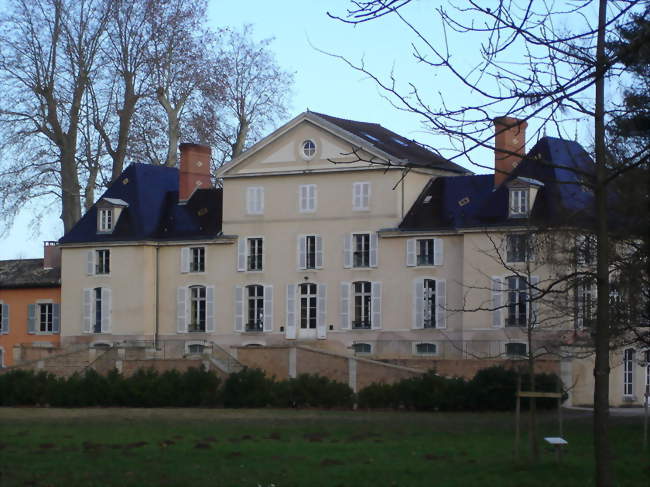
{"type": "Point", "coordinates": [49, 54]}
{"type": "Point", "coordinates": [530, 68]}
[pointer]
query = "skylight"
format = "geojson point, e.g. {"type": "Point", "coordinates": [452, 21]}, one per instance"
{"type": "Point", "coordinates": [371, 137]}
{"type": "Point", "coordinates": [400, 142]}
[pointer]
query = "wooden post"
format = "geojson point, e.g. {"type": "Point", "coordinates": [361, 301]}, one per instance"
{"type": "Point", "coordinates": [517, 409]}
{"type": "Point", "coordinates": [559, 406]}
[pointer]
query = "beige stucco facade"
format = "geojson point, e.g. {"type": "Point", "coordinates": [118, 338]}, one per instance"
{"type": "Point", "coordinates": [145, 277]}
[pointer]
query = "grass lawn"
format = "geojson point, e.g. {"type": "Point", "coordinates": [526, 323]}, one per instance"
{"type": "Point", "coordinates": [199, 447]}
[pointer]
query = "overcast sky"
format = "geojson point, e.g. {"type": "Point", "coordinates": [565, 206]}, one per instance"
{"type": "Point", "coordinates": [323, 83]}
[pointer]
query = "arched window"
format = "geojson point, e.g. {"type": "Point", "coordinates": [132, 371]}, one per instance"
{"type": "Point", "coordinates": [362, 348]}
{"type": "Point", "coordinates": [197, 309]}
{"type": "Point", "coordinates": [426, 349]}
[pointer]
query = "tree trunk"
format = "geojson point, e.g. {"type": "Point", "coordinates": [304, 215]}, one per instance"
{"type": "Point", "coordinates": [126, 116]}
{"type": "Point", "coordinates": [532, 406]}
{"type": "Point", "coordinates": [70, 197]}
{"type": "Point", "coordinates": [602, 450]}
{"type": "Point", "coordinates": [242, 132]}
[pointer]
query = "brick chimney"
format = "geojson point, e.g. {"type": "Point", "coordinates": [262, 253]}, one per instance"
{"type": "Point", "coordinates": [509, 146]}
{"type": "Point", "coordinates": [194, 171]}
{"type": "Point", "coordinates": [51, 255]}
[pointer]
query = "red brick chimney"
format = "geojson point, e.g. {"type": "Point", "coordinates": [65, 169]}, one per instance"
{"type": "Point", "coordinates": [51, 255]}
{"type": "Point", "coordinates": [509, 146]}
{"type": "Point", "coordinates": [195, 170]}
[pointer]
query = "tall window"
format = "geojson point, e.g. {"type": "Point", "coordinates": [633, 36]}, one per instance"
{"type": "Point", "coordinates": [517, 301]}
{"type": "Point", "coordinates": [97, 322]}
{"type": "Point", "coordinates": [360, 196]}
{"type": "Point", "coordinates": [197, 259]}
{"type": "Point", "coordinates": [585, 303]}
{"type": "Point", "coordinates": [517, 248]}
{"type": "Point", "coordinates": [255, 200]}
{"type": "Point", "coordinates": [308, 309]}
{"type": "Point", "coordinates": [310, 252]}
{"type": "Point", "coordinates": [425, 251]}
{"type": "Point", "coordinates": [255, 254]}
{"type": "Point", "coordinates": [307, 202]}
{"type": "Point", "coordinates": [585, 249]}
{"type": "Point", "coordinates": [197, 309]}
{"type": "Point", "coordinates": [429, 308]}
{"type": "Point", "coordinates": [361, 250]}
{"type": "Point", "coordinates": [255, 301]}
{"type": "Point", "coordinates": [628, 372]}
{"type": "Point", "coordinates": [45, 317]}
{"type": "Point", "coordinates": [519, 202]}
{"type": "Point", "coordinates": [105, 220]}
{"type": "Point", "coordinates": [362, 297]}
{"type": "Point", "coordinates": [103, 261]}
{"type": "Point", "coordinates": [4, 318]}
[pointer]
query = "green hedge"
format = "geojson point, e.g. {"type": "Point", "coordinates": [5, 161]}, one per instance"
{"type": "Point", "coordinates": [492, 389]}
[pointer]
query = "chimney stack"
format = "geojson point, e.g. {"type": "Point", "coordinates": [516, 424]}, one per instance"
{"type": "Point", "coordinates": [509, 146]}
{"type": "Point", "coordinates": [51, 255]}
{"type": "Point", "coordinates": [194, 171]}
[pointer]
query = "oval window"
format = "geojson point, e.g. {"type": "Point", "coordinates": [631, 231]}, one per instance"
{"type": "Point", "coordinates": [308, 149]}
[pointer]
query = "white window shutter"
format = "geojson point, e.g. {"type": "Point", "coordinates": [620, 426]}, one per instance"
{"type": "Point", "coordinates": [497, 302]}
{"type": "Point", "coordinates": [260, 200]}
{"type": "Point", "coordinates": [209, 309]}
{"type": "Point", "coordinates": [356, 196]}
{"type": "Point", "coordinates": [241, 254]}
{"type": "Point", "coordinates": [185, 260]}
{"type": "Point", "coordinates": [107, 307]}
{"type": "Point", "coordinates": [268, 308]}
{"type": "Point", "coordinates": [345, 305]}
{"type": "Point", "coordinates": [313, 195]}
{"type": "Point", "coordinates": [319, 252]}
{"type": "Point", "coordinates": [437, 251]}
{"type": "Point", "coordinates": [31, 318]}
{"type": "Point", "coordinates": [375, 305]}
{"type": "Point", "coordinates": [321, 324]}
{"type": "Point", "coordinates": [302, 198]}
{"type": "Point", "coordinates": [374, 249]}
{"type": "Point", "coordinates": [56, 318]}
{"type": "Point", "coordinates": [535, 294]}
{"type": "Point", "coordinates": [579, 292]}
{"type": "Point", "coordinates": [347, 250]}
{"type": "Point", "coordinates": [90, 263]}
{"type": "Point", "coordinates": [87, 310]}
{"type": "Point", "coordinates": [365, 198]}
{"type": "Point", "coordinates": [181, 309]}
{"type": "Point", "coordinates": [410, 252]}
{"type": "Point", "coordinates": [239, 308]}
{"type": "Point", "coordinates": [441, 303]}
{"type": "Point", "coordinates": [291, 312]}
{"type": "Point", "coordinates": [4, 325]}
{"type": "Point", "coordinates": [418, 303]}
{"type": "Point", "coordinates": [302, 252]}
{"type": "Point", "coordinates": [250, 199]}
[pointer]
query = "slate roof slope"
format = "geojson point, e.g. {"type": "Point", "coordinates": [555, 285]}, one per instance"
{"type": "Point", "coordinates": [471, 201]}
{"type": "Point", "coordinates": [394, 144]}
{"type": "Point", "coordinates": [26, 273]}
{"type": "Point", "coordinates": [153, 212]}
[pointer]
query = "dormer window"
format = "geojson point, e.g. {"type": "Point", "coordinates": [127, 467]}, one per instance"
{"type": "Point", "coordinates": [519, 203]}
{"type": "Point", "coordinates": [108, 212]}
{"type": "Point", "coordinates": [105, 220]}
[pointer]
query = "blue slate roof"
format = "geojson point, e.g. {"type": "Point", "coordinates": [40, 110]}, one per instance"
{"type": "Point", "coordinates": [153, 212]}
{"type": "Point", "coordinates": [472, 201]}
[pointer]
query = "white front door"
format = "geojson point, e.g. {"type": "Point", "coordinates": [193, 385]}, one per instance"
{"type": "Point", "coordinates": [308, 310]}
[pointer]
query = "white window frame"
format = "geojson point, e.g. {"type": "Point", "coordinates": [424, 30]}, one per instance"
{"type": "Point", "coordinates": [194, 311]}
{"type": "Point", "coordinates": [248, 254]}
{"type": "Point", "coordinates": [2, 357]}
{"type": "Point", "coordinates": [193, 343]}
{"type": "Point", "coordinates": [425, 354]}
{"type": "Point", "coordinates": [365, 296]}
{"type": "Point", "coordinates": [519, 202]}
{"type": "Point", "coordinates": [361, 191]}
{"type": "Point", "coordinates": [510, 245]}
{"type": "Point", "coordinates": [258, 307]}
{"type": "Point", "coordinates": [99, 262]}
{"type": "Point", "coordinates": [105, 220]}
{"type": "Point", "coordinates": [438, 312]}
{"type": "Point", "coordinates": [513, 356]}
{"type": "Point", "coordinates": [5, 311]}
{"type": "Point", "coordinates": [586, 297]}
{"type": "Point", "coordinates": [39, 314]}
{"type": "Point", "coordinates": [91, 298]}
{"type": "Point", "coordinates": [307, 198]}
{"type": "Point", "coordinates": [312, 311]}
{"type": "Point", "coordinates": [308, 149]}
{"type": "Point", "coordinates": [303, 252]}
{"type": "Point", "coordinates": [628, 372]}
{"type": "Point", "coordinates": [365, 250]}
{"type": "Point", "coordinates": [193, 251]}
{"type": "Point", "coordinates": [255, 200]}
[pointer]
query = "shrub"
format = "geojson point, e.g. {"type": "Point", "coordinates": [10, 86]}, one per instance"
{"type": "Point", "coordinates": [378, 396]}
{"type": "Point", "coordinates": [312, 390]}
{"type": "Point", "coordinates": [248, 388]}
